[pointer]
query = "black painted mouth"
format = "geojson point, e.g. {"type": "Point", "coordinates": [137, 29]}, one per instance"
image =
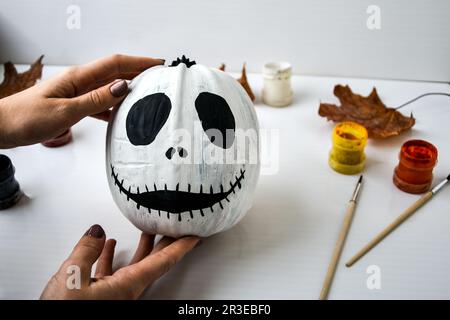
{"type": "Point", "coordinates": [175, 201]}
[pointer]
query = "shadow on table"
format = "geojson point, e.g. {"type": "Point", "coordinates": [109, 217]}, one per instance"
{"type": "Point", "coordinates": [25, 201]}
{"type": "Point", "coordinates": [268, 226]}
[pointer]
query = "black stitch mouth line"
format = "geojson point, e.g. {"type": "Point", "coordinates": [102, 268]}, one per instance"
{"type": "Point", "coordinates": [175, 201]}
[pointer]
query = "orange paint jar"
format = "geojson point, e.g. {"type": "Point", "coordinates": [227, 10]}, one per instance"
{"type": "Point", "coordinates": [414, 173]}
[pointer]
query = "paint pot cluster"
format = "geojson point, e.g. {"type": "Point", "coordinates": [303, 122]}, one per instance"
{"type": "Point", "coordinates": [10, 192]}
{"type": "Point", "coordinates": [347, 154]}
{"type": "Point", "coordinates": [414, 172]}
{"type": "Point", "coordinates": [417, 158]}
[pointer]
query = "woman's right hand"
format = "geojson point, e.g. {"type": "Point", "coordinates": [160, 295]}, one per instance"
{"type": "Point", "coordinates": [48, 109]}
{"type": "Point", "coordinates": [149, 263]}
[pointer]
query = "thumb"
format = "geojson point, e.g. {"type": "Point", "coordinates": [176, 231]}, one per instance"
{"type": "Point", "coordinates": [100, 99]}
{"type": "Point", "coordinates": [86, 252]}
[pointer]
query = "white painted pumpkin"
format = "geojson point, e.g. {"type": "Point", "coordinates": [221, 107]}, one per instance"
{"type": "Point", "coordinates": [169, 170]}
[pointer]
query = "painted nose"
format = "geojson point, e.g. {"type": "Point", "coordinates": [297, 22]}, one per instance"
{"type": "Point", "coordinates": [182, 152]}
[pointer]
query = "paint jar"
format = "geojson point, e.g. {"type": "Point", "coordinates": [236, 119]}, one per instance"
{"type": "Point", "coordinates": [10, 192]}
{"type": "Point", "coordinates": [347, 154]}
{"type": "Point", "coordinates": [414, 173]}
{"type": "Point", "coordinates": [61, 140]}
{"type": "Point", "coordinates": [277, 90]}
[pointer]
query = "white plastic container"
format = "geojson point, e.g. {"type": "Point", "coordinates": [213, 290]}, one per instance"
{"type": "Point", "coordinates": [277, 90]}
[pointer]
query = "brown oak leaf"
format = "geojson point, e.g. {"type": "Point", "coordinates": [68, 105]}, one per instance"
{"type": "Point", "coordinates": [14, 82]}
{"type": "Point", "coordinates": [243, 81]}
{"type": "Point", "coordinates": [379, 120]}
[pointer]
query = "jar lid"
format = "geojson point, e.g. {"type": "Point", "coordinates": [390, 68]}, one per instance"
{"type": "Point", "coordinates": [346, 168]}
{"type": "Point", "coordinates": [10, 192]}
{"type": "Point", "coordinates": [418, 154]}
{"type": "Point", "coordinates": [410, 187]}
{"type": "Point", "coordinates": [6, 167]}
{"type": "Point", "coordinates": [276, 68]}
{"type": "Point", "coordinates": [350, 136]}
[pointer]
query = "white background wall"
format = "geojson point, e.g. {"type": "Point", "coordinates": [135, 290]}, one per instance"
{"type": "Point", "coordinates": [321, 37]}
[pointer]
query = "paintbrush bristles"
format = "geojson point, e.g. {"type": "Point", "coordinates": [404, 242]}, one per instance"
{"type": "Point", "coordinates": [357, 189]}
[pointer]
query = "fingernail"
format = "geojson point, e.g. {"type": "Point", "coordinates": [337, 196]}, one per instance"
{"type": "Point", "coordinates": [119, 88]}
{"type": "Point", "coordinates": [199, 243]}
{"type": "Point", "coordinates": [95, 231]}
{"type": "Point", "coordinates": [163, 60]}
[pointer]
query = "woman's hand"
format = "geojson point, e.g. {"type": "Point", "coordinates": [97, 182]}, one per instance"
{"type": "Point", "coordinates": [49, 108]}
{"type": "Point", "coordinates": [148, 264]}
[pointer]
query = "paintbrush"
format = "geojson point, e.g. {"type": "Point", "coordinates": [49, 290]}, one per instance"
{"type": "Point", "coordinates": [400, 219]}
{"type": "Point", "coordinates": [340, 242]}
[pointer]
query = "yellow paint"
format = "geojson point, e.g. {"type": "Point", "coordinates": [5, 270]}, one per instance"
{"type": "Point", "coordinates": [347, 154]}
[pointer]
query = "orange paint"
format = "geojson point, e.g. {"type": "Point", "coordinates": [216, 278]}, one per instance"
{"type": "Point", "coordinates": [414, 173]}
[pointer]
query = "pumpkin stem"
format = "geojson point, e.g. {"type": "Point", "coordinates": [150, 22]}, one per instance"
{"type": "Point", "coordinates": [184, 60]}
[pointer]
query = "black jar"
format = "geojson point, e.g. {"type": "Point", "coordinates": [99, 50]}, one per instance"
{"type": "Point", "coordinates": [10, 192]}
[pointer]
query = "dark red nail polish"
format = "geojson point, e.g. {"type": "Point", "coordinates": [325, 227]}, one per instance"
{"type": "Point", "coordinates": [199, 243]}
{"type": "Point", "coordinates": [95, 231]}
{"type": "Point", "coordinates": [119, 88]}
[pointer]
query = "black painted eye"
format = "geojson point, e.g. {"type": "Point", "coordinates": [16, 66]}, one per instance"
{"type": "Point", "coordinates": [146, 118]}
{"type": "Point", "coordinates": [217, 119]}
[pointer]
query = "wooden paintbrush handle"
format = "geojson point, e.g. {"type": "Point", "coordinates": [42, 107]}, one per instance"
{"type": "Point", "coordinates": [400, 219]}
{"type": "Point", "coordinates": [338, 250]}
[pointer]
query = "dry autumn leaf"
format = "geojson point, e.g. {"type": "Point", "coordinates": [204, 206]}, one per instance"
{"type": "Point", "coordinates": [243, 81]}
{"type": "Point", "coordinates": [14, 82]}
{"type": "Point", "coordinates": [379, 120]}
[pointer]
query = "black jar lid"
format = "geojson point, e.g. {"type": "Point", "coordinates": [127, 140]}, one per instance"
{"type": "Point", "coordinates": [6, 167]}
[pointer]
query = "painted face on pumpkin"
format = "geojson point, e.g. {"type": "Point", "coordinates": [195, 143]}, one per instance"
{"type": "Point", "coordinates": [182, 151]}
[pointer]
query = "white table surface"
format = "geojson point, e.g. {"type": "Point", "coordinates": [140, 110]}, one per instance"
{"type": "Point", "coordinates": [281, 249]}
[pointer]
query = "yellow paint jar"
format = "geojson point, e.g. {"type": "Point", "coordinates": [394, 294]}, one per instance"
{"type": "Point", "coordinates": [347, 154]}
